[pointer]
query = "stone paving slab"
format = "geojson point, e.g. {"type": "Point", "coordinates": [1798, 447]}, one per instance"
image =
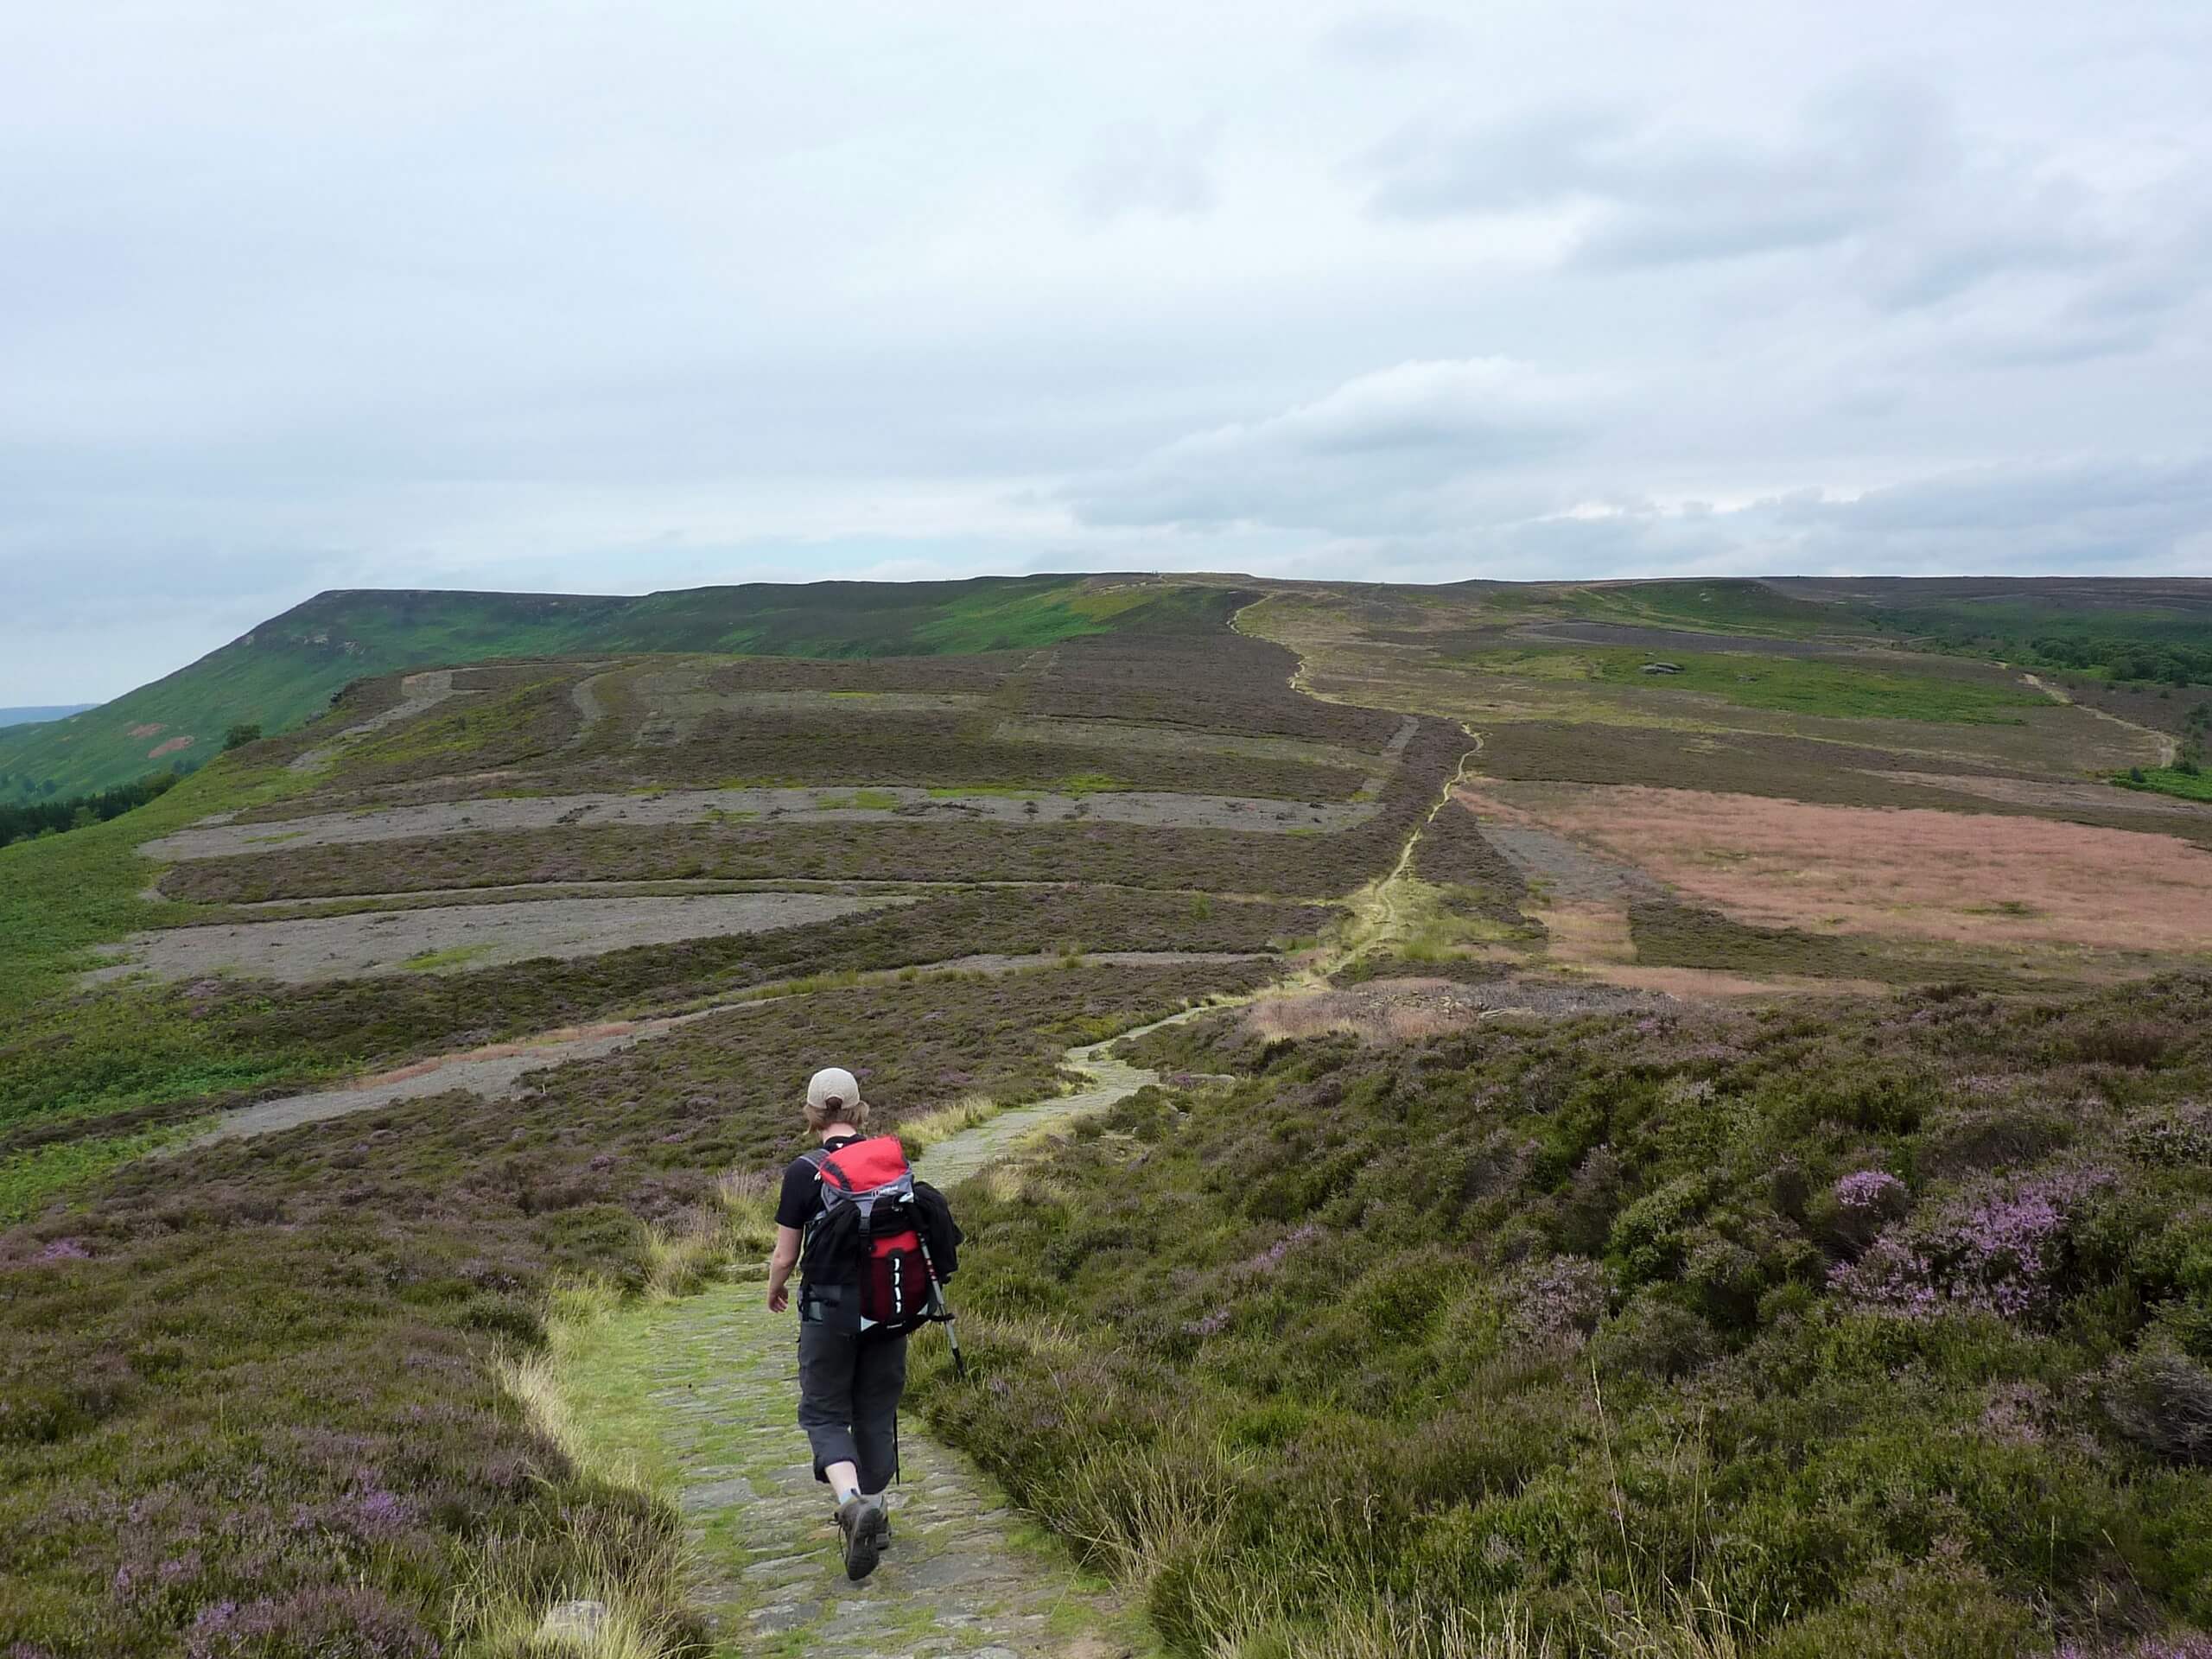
{"type": "Point", "coordinates": [699, 1395]}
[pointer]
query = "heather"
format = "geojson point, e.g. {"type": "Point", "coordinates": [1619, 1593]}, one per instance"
{"type": "Point", "coordinates": [1128, 855]}
{"type": "Point", "coordinates": [1835, 688]}
{"type": "Point", "coordinates": [248, 1402]}
{"type": "Point", "coordinates": [1798, 1331]}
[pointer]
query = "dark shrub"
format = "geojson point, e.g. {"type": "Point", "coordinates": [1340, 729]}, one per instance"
{"type": "Point", "coordinates": [2162, 1399]}
{"type": "Point", "coordinates": [2113, 1041]}
{"type": "Point", "coordinates": [1653, 1338]}
{"type": "Point", "coordinates": [1991, 1138]}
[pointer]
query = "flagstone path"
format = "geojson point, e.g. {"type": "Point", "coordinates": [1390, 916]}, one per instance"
{"type": "Point", "coordinates": [700, 1395]}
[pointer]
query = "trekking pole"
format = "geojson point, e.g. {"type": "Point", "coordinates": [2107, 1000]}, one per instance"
{"type": "Point", "coordinates": [945, 1303]}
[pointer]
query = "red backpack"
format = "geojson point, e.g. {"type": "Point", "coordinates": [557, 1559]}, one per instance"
{"type": "Point", "coordinates": [868, 1234]}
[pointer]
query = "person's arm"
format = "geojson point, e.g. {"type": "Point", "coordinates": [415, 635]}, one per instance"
{"type": "Point", "coordinates": [781, 1263]}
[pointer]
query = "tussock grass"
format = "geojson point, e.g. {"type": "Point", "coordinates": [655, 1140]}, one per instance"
{"type": "Point", "coordinates": [919, 1133]}
{"type": "Point", "coordinates": [616, 1594]}
{"type": "Point", "coordinates": [1385, 1629]}
{"type": "Point", "coordinates": [618, 1589]}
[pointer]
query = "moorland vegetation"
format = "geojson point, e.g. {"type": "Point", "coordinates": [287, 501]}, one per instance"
{"type": "Point", "coordinates": [1800, 1332]}
{"type": "Point", "coordinates": [1731, 1325]}
{"type": "Point", "coordinates": [286, 670]}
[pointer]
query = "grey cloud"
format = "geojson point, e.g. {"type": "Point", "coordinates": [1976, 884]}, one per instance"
{"type": "Point", "coordinates": [1138, 168]}
{"type": "Point", "coordinates": [1385, 38]}
{"type": "Point", "coordinates": [2117, 516]}
{"type": "Point", "coordinates": [1381, 448]}
{"type": "Point", "coordinates": [504, 295]}
{"type": "Point", "coordinates": [1876, 169]}
{"type": "Point", "coordinates": [1662, 196]}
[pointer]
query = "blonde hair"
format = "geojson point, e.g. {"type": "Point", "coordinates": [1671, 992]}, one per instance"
{"type": "Point", "coordinates": [853, 1114]}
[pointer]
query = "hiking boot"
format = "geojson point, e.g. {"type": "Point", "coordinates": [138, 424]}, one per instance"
{"type": "Point", "coordinates": [859, 1519]}
{"type": "Point", "coordinates": [882, 1502]}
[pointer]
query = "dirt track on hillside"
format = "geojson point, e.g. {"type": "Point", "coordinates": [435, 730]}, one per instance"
{"type": "Point", "coordinates": [304, 950]}
{"type": "Point", "coordinates": [494, 1072]}
{"type": "Point", "coordinates": [818, 805]}
{"type": "Point", "coordinates": [420, 693]}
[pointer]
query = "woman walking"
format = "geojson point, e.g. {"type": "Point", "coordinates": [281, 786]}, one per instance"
{"type": "Point", "coordinates": [852, 1370]}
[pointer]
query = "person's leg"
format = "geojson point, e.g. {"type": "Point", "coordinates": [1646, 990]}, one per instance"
{"type": "Point", "coordinates": [879, 1380]}
{"type": "Point", "coordinates": [827, 1361]}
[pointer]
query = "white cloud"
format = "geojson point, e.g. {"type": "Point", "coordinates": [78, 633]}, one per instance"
{"type": "Point", "coordinates": [501, 295]}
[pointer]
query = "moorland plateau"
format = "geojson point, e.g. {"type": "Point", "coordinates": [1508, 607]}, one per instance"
{"type": "Point", "coordinates": [1691, 1133]}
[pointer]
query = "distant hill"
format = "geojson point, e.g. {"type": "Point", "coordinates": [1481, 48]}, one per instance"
{"type": "Point", "coordinates": [286, 670]}
{"type": "Point", "coordinates": [32, 717]}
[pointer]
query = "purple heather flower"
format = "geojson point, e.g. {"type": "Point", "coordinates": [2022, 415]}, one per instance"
{"type": "Point", "coordinates": [1869, 1189]}
{"type": "Point", "coordinates": [379, 1514]}
{"type": "Point", "coordinates": [1271, 1258]}
{"type": "Point", "coordinates": [1557, 1300]}
{"type": "Point", "coordinates": [1997, 1253]}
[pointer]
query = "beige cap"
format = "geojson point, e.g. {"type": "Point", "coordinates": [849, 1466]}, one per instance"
{"type": "Point", "coordinates": [832, 1088]}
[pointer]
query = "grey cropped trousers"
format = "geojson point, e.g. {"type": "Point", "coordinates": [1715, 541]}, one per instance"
{"type": "Point", "coordinates": [849, 1392]}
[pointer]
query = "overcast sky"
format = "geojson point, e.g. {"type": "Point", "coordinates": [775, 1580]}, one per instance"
{"type": "Point", "coordinates": [601, 297]}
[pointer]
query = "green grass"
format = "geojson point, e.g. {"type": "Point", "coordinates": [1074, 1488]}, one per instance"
{"type": "Point", "coordinates": [66, 1052]}
{"type": "Point", "coordinates": [1721, 607]}
{"type": "Point", "coordinates": [1791, 685]}
{"type": "Point", "coordinates": [2194, 786]}
{"type": "Point", "coordinates": [28, 1179]}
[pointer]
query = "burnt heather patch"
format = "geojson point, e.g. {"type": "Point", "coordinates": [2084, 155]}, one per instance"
{"type": "Point", "coordinates": [305, 1031]}
{"type": "Point", "coordinates": [1134, 855]}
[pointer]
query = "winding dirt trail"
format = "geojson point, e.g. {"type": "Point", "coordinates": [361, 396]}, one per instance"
{"type": "Point", "coordinates": [699, 1394]}
{"type": "Point", "coordinates": [2168, 746]}
{"type": "Point", "coordinates": [497, 1069]}
{"type": "Point", "coordinates": [419, 692]}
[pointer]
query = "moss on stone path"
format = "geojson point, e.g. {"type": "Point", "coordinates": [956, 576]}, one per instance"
{"type": "Point", "coordinates": [698, 1396]}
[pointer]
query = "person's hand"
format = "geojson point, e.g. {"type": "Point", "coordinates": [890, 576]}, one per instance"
{"type": "Point", "coordinates": [778, 1299]}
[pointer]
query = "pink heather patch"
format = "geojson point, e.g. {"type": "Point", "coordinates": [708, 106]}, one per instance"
{"type": "Point", "coordinates": [1955, 876]}
{"type": "Point", "coordinates": [1997, 1253]}
{"type": "Point", "coordinates": [1271, 1258]}
{"type": "Point", "coordinates": [1870, 1189]}
{"type": "Point", "coordinates": [1556, 1302]}
{"type": "Point", "coordinates": [2178, 1644]}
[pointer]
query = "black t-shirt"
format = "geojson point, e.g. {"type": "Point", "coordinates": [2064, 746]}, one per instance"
{"type": "Point", "coordinates": [800, 1201]}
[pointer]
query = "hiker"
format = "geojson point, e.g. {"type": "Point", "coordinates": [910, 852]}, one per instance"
{"type": "Point", "coordinates": [877, 1246]}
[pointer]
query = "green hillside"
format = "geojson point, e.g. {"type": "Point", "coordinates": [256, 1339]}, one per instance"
{"type": "Point", "coordinates": [286, 670]}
